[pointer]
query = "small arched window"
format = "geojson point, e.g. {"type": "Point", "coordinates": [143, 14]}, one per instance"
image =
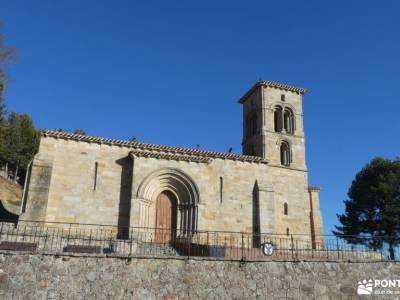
{"type": "Point", "coordinates": [286, 155]}
{"type": "Point", "coordinates": [288, 120]}
{"type": "Point", "coordinates": [282, 97]}
{"type": "Point", "coordinates": [278, 118]}
{"type": "Point", "coordinates": [285, 209]}
{"type": "Point", "coordinates": [287, 231]}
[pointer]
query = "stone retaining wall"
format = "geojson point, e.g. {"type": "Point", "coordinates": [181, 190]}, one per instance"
{"type": "Point", "coordinates": [25, 276]}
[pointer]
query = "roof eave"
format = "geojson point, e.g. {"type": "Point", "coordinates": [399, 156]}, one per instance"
{"type": "Point", "coordinates": [273, 84]}
{"type": "Point", "coordinates": [147, 148]}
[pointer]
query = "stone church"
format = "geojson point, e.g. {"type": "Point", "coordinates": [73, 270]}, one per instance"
{"type": "Point", "coordinates": [87, 179]}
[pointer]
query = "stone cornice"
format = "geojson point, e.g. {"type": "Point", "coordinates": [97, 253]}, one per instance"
{"type": "Point", "coordinates": [313, 189]}
{"type": "Point", "coordinates": [154, 150]}
{"type": "Point", "coordinates": [287, 168]}
{"type": "Point", "coordinates": [169, 156]}
{"type": "Point", "coordinates": [273, 84]}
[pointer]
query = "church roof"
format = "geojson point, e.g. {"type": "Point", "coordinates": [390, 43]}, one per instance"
{"type": "Point", "coordinates": [273, 84]}
{"type": "Point", "coordinates": [154, 150]}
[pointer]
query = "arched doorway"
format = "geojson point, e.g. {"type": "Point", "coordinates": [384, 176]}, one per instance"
{"type": "Point", "coordinates": [166, 211]}
{"type": "Point", "coordinates": [180, 189]}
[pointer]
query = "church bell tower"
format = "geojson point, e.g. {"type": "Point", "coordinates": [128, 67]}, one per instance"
{"type": "Point", "coordinates": [273, 124]}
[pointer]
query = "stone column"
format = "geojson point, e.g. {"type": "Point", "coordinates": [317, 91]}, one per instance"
{"type": "Point", "coordinates": [134, 216]}
{"type": "Point", "coordinates": [135, 209]}
{"type": "Point", "coordinates": [316, 225]}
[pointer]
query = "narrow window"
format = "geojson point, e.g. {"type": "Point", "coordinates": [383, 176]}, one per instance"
{"type": "Point", "coordinates": [278, 119]}
{"type": "Point", "coordinates": [282, 97]}
{"type": "Point", "coordinates": [285, 209]}
{"type": "Point", "coordinates": [96, 166]}
{"type": "Point", "coordinates": [221, 189]}
{"type": "Point", "coordinates": [287, 231]}
{"type": "Point", "coordinates": [286, 156]}
{"type": "Point", "coordinates": [288, 121]}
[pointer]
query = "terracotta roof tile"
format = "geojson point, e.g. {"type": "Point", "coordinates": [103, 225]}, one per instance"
{"type": "Point", "coordinates": [154, 150]}
{"type": "Point", "coordinates": [273, 84]}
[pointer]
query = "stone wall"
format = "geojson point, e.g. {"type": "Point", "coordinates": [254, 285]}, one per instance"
{"type": "Point", "coordinates": [62, 189]}
{"type": "Point", "coordinates": [24, 276]}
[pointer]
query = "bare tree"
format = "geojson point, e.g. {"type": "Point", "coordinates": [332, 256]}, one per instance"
{"type": "Point", "coordinates": [7, 53]}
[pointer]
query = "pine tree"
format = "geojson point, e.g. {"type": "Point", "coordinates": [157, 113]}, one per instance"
{"type": "Point", "coordinates": [372, 215]}
{"type": "Point", "coordinates": [21, 143]}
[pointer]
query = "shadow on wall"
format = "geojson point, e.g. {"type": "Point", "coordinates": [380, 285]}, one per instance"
{"type": "Point", "coordinates": [256, 218]}
{"type": "Point", "coordinates": [5, 215]}
{"type": "Point", "coordinates": [125, 195]}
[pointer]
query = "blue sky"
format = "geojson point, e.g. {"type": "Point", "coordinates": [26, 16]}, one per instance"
{"type": "Point", "coordinates": [171, 72]}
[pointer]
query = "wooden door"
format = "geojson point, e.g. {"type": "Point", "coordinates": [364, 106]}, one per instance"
{"type": "Point", "coordinates": [165, 217]}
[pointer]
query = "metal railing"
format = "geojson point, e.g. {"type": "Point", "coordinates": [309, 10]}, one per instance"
{"type": "Point", "coordinates": [69, 238]}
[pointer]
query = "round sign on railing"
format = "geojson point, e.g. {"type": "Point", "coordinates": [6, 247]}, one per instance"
{"type": "Point", "coordinates": [268, 249]}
